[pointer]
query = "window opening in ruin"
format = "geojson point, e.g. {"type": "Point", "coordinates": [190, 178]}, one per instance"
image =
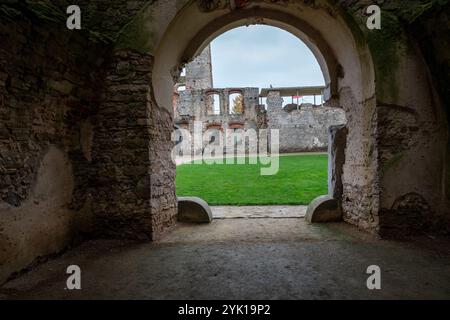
{"type": "Point", "coordinates": [213, 104]}
{"type": "Point", "coordinates": [236, 103]}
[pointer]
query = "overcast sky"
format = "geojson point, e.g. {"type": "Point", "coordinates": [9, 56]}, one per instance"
{"type": "Point", "coordinates": [260, 56]}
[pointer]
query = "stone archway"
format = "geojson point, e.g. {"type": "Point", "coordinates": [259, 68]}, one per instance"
{"type": "Point", "coordinates": [345, 63]}
{"type": "Point", "coordinates": [377, 98]}
{"type": "Point", "coordinates": [109, 114]}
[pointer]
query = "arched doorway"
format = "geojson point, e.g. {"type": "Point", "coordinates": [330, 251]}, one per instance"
{"type": "Point", "coordinates": [395, 175]}
{"type": "Point", "coordinates": [264, 67]}
{"type": "Point", "coordinates": [380, 145]}
{"type": "Point", "coordinates": [345, 62]}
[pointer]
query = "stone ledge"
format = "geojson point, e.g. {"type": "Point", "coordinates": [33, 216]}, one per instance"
{"type": "Point", "coordinates": [323, 209]}
{"type": "Point", "coordinates": [193, 209]}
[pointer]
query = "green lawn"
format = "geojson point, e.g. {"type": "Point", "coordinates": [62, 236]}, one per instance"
{"type": "Point", "coordinates": [300, 179]}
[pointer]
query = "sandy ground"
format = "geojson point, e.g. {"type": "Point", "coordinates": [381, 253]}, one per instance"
{"type": "Point", "coordinates": [266, 258]}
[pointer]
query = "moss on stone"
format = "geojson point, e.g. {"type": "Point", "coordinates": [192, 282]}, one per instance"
{"type": "Point", "coordinates": [392, 162]}
{"type": "Point", "coordinates": [387, 46]}
{"type": "Point", "coordinates": [100, 37]}
{"type": "Point", "coordinates": [135, 35]}
{"type": "Point", "coordinates": [46, 11]}
{"type": "Point", "coordinates": [410, 10]}
{"type": "Point", "coordinates": [355, 26]}
{"type": "Point", "coordinates": [390, 44]}
{"type": "Point", "coordinates": [32, 9]}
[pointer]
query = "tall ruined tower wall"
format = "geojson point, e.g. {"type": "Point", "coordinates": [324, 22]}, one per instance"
{"type": "Point", "coordinates": [199, 71]}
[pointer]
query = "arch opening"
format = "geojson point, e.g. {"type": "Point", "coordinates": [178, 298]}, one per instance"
{"type": "Point", "coordinates": [249, 106]}
{"type": "Point", "coordinates": [345, 62]}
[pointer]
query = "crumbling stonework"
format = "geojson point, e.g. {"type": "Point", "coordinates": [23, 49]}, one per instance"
{"type": "Point", "coordinates": [302, 129]}
{"type": "Point", "coordinates": [86, 115]}
{"type": "Point", "coordinates": [360, 198]}
{"type": "Point", "coordinates": [48, 92]}
{"type": "Point", "coordinates": [163, 198]}
{"type": "Point", "coordinates": [43, 101]}
{"type": "Point", "coordinates": [199, 72]}
{"type": "Point", "coordinates": [407, 216]}
{"type": "Point", "coordinates": [134, 173]}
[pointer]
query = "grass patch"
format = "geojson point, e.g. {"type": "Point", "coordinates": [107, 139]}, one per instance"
{"type": "Point", "coordinates": [300, 179]}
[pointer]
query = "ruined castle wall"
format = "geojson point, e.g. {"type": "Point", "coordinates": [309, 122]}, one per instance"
{"type": "Point", "coordinates": [199, 71]}
{"type": "Point", "coordinates": [193, 105]}
{"type": "Point", "coordinates": [305, 129]}
{"type": "Point", "coordinates": [300, 130]}
{"type": "Point", "coordinates": [48, 93]}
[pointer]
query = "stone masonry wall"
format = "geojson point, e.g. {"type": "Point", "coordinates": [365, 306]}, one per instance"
{"type": "Point", "coordinates": [134, 173]}
{"type": "Point", "coordinates": [81, 136]}
{"type": "Point", "coordinates": [48, 92]}
{"type": "Point", "coordinates": [300, 130]}
{"type": "Point", "coordinates": [199, 71]}
{"type": "Point", "coordinates": [63, 135]}
{"type": "Point", "coordinates": [194, 105]}
{"type": "Point", "coordinates": [162, 179]}
{"type": "Point", "coordinates": [305, 129]}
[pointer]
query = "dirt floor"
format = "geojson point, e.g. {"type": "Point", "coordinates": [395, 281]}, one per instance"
{"type": "Point", "coordinates": [265, 258]}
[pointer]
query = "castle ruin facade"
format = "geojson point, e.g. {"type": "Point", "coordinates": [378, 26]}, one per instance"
{"type": "Point", "coordinates": [303, 127]}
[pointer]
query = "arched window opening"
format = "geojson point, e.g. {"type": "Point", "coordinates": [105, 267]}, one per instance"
{"type": "Point", "coordinates": [213, 103]}
{"type": "Point", "coordinates": [236, 103]}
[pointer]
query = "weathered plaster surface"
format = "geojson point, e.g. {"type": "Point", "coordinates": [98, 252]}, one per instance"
{"type": "Point", "coordinates": [44, 224]}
